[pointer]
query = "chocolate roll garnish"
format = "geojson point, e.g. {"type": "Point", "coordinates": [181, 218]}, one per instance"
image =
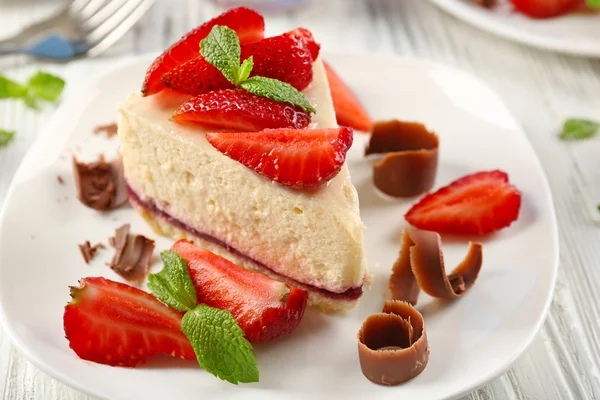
{"type": "Point", "coordinates": [392, 345]}
{"type": "Point", "coordinates": [409, 165]}
{"type": "Point", "coordinates": [421, 265]}
{"type": "Point", "coordinates": [133, 254]}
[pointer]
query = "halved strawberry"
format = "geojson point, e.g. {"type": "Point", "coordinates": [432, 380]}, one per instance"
{"type": "Point", "coordinates": [309, 41]}
{"type": "Point", "coordinates": [283, 57]}
{"type": "Point", "coordinates": [116, 324]}
{"type": "Point", "coordinates": [240, 110]}
{"type": "Point", "coordinates": [264, 308]}
{"type": "Point", "coordinates": [475, 204]}
{"type": "Point", "coordinates": [546, 8]}
{"type": "Point", "coordinates": [248, 24]}
{"type": "Point", "coordinates": [348, 110]}
{"type": "Point", "coordinates": [295, 158]}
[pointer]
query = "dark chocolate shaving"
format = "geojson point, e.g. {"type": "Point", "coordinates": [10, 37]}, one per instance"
{"type": "Point", "coordinates": [133, 254]}
{"type": "Point", "coordinates": [100, 185]}
{"type": "Point", "coordinates": [392, 345]}
{"type": "Point", "coordinates": [421, 265]}
{"type": "Point", "coordinates": [409, 165]}
{"type": "Point", "coordinates": [487, 3]}
{"type": "Point", "coordinates": [88, 251]}
{"type": "Point", "coordinates": [110, 129]}
{"type": "Point", "coordinates": [60, 179]}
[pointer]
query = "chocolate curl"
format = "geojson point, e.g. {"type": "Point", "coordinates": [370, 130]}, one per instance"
{"type": "Point", "coordinates": [392, 345]}
{"type": "Point", "coordinates": [409, 165]}
{"type": "Point", "coordinates": [133, 254]}
{"type": "Point", "coordinates": [100, 184]}
{"type": "Point", "coordinates": [421, 265]}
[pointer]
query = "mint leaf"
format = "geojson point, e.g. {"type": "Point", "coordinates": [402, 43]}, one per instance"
{"type": "Point", "coordinates": [11, 89]}
{"type": "Point", "coordinates": [222, 49]}
{"type": "Point", "coordinates": [46, 86]}
{"type": "Point", "coordinates": [173, 285]}
{"type": "Point", "coordinates": [220, 345]}
{"type": "Point", "coordinates": [278, 91]}
{"type": "Point", "coordinates": [6, 137]}
{"type": "Point", "coordinates": [31, 102]}
{"type": "Point", "coordinates": [576, 129]}
{"type": "Point", "coordinates": [245, 69]}
{"type": "Point", "coordinates": [598, 207]}
{"type": "Point", "coordinates": [593, 3]}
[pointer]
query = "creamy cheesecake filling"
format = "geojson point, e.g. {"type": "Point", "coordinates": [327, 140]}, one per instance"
{"type": "Point", "coordinates": [350, 294]}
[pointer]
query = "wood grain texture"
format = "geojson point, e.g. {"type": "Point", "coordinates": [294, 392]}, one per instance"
{"type": "Point", "coordinates": [540, 88]}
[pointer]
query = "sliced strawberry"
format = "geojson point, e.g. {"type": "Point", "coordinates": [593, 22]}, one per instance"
{"type": "Point", "coordinates": [546, 8]}
{"type": "Point", "coordinates": [309, 41]}
{"type": "Point", "coordinates": [196, 77]}
{"type": "Point", "coordinates": [283, 57]}
{"type": "Point", "coordinates": [248, 24]}
{"type": "Point", "coordinates": [480, 203]}
{"type": "Point", "coordinates": [295, 158]}
{"type": "Point", "coordinates": [116, 324]}
{"type": "Point", "coordinates": [240, 110]}
{"type": "Point", "coordinates": [264, 308]}
{"type": "Point", "coordinates": [348, 110]}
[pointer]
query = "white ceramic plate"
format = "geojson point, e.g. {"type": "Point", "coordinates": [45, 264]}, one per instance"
{"type": "Point", "coordinates": [472, 340]}
{"type": "Point", "coordinates": [576, 33]}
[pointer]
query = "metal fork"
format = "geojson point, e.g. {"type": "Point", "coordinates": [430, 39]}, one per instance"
{"type": "Point", "coordinates": [83, 27]}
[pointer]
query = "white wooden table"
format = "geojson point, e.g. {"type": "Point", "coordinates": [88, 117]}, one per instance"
{"type": "Point", "coordinates": [541, 89]}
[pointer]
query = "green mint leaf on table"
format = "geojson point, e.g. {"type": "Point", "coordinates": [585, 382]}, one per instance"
{"type": "Point", "coordinates": [220, 345]}
{"type": "Point", "coordinates": [278, 91]}
{"type": "Point", "coordinates": [173, 285]}
{"type": "Point", "coordinates": [11, 89]}
{"type": "Point", "coordinates": [576, 129]}
{"type": "Point", "coordinates": [6, 137]}
{"type": "Point", "coordinates": [46, 86]}
{"type": "Point", "coordinates": [593, 3]}
{"type": "Point", "coordinates": [222, 49]}
{"type": "Point", "coordinates": [31, 101]}
{"type": "Point", "coordinates": [245, 69]}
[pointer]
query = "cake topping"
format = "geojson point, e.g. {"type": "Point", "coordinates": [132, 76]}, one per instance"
{"type": "Point", "coordinates": [238, 109]}
{"type": "Point", "coordinates": [292, 64]}
{"type": "Point", "coordinates": [348, 110]}
{"type": "Point", "coordinates": [133, 254]}
{"type": "Point", "coordinates": [477, 204]}
{"type": "Point", "coordinates": [409, 165]}
{"type": "Point", "coordinates": [392, 345]}
{"type": "Point", "coordinates": [294, 158]}
{"type": "Point", "coordinates": [100, 185]}
{"type": "Point", "coordinates": [247, 23]}
{"type": "Point", "coordinates": [88, 251]}
{"type": "Point", "coordinates": [421, 265]}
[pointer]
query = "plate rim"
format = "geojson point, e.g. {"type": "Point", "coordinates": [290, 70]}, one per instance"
{"type": "Point", "coordinates": [124, 61]}
{"type": "Point", "coordinates": [465, 13]}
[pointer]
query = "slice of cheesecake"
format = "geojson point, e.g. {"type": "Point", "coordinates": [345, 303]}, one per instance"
{"type": "Point", "coordinates": [185, 188]}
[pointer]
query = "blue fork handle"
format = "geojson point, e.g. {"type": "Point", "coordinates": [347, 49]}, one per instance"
{"type": "Point", "coordinates": [52, 47]}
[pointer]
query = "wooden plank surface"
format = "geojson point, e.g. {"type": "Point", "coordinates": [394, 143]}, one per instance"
{"type": "Point", "coordinates": [540, 88]}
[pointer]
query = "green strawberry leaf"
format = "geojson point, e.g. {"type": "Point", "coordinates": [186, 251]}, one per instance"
{"type": "Point", "coordinates": [577, 129]}
{"type": "Point", "coordinates": [11, 89]}
{"type": "Point", "coordinates": [6, 137]}
{"type": "Point", "coordinates": [222, 49]}
{"type": "Point", "coordinates": [46, 86]}
{"type": "Point", "coordinates": [173, 285]}
{"type": "Point", "coordinates": [220, 345]}
{"type": "Point", "coordinates": [278, 91]}
{"type": "Point", "coordinates": [593, 3]}
{"type": "Point", "coordinates": [245, 69]}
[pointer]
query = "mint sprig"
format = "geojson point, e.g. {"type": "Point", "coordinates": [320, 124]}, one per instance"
{"type": "Point", "coordinates": [219, 344]}
{"type": "Point", "coordinates": [593, 3]}
{"type": "Point", "coordinates": [45, 86]}
{"type": "Point", "coordinates": [10, 89]}
{"type": "Point", "coordinates": [214, 334]}
{"type": "Point", "coordinates": [222, 49]}
{"type": "Point", "coordinates": [173, 285]}
{"type": "Point", "coordinates": [276, 90]}
{"type": "Point", "coordinates": [577, 129]}
{"type": "Point", "coordinates": [6, 137]}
